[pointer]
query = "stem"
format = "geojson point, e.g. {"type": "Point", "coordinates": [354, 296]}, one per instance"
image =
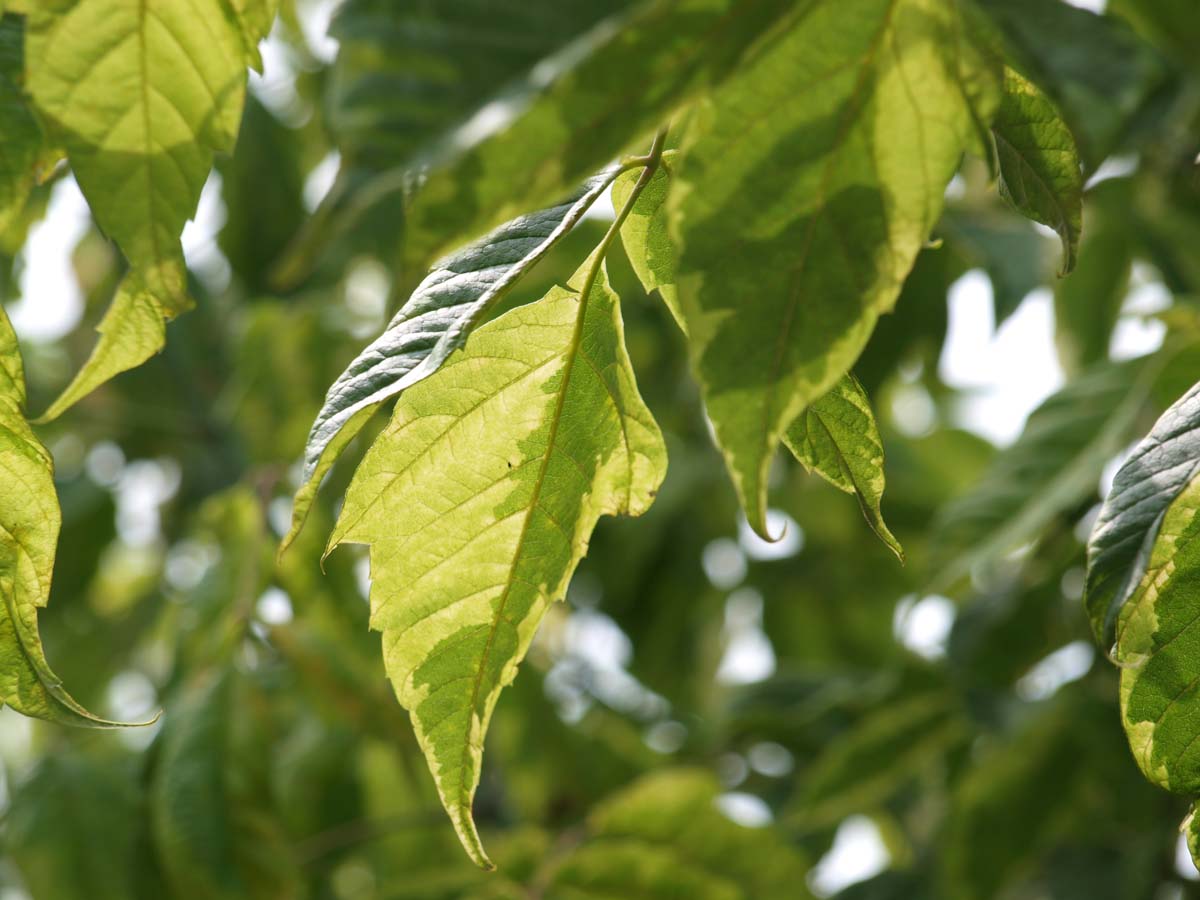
{"type": "Point", "coordinates": [651, 161]}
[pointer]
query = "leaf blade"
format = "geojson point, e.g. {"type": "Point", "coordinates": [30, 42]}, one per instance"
{"type": "Point", "coordinates": [838, 439]}
{"type": "Point", "coordinates": [451, 300]}
{"type": "Point", "coordinates": [551, 434]}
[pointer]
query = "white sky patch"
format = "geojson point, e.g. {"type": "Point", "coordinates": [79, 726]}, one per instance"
{"type": "Point", "coordinates": [275, 88]}
{"type": "Point", "coordinates": [923, 626]}
{"type": "Point", "coordinates": [142, 488]}
{"type": "Point", "coordinates": [744, 809]}
{"type": "Point", "coordinates": [199, 238]}
{"type": "Point", "coordinates": [602, 207]}
{"type": "Point", "coordinates": [1004, 373]}
{"type": "Point", "coordinates": [51, 302]}
{"type": "Point", "coordinates": [858, 853]}
{"type": "Point", "coordinates": [1064, 665]}
{"type": "Point", "coordinates": [1184, 867]}
{"type": "Point", "coordinates": [274, 606]}
{"type": "Point", "coordinates": [748, 656]}
{"type": "Point", "coordinates": [789, 535]}
{"type": "Point", "coordinates": [724, 563]}
{"type": "Point", "coordinates": [315, 16]}
{"type": "Point", "coordinates": [1137, 332]}
{"type": "Point", "coordinates": [1096, 6]}
{"type": "Point", "coordinates": [320, 180]}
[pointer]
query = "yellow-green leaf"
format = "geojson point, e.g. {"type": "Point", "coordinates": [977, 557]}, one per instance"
{"type": "Point", "coordinates": [837, 438]}
{"type": "Point", "coordinates": [132, 330]}
{"type": "Point", "coordinates": [808, 183]}
{"type": "Point", "coordinates": [1040, 172]}
{"type": "Point", "coordinates": [22, 136]}
{"type": "Point", "coordinates": [647, 242]}
{"type": "Point", "coordinates": [478, 501]}
{"type": "Point", "coordinates": [141, 95]}
{"type": "Point", "coordinates": [29, 524]}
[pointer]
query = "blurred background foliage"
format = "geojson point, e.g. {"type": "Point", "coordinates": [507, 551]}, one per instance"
{"type": "Point", "coordinates": [707, 716]}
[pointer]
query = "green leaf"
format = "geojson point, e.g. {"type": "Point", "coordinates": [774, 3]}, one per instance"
{"type": "Point", "coordinates": [1156, 643]}
{"type": "Point", "coordinates": [452, 299]}
{"type": "Point", "coordinates": [831, 153]}
{"type": "Point", "coordinates": [1100, 80]}
{"type": "Point", "coordinates": [133, 330]}
{"type": "Point", "coordinates": [22, 134]}
{"type": "Point", "coordinates": [614, 88]}
{"type": "Point", "coordinates": [254, 19]}
{"type": "Point", "coordinates": [74, 827]}
{"type": "Point", "coordinates": [141, 95]}
{"type": "Point", "coordinates": [1157, 472]}
{"type": "Point", "coordinates": [214, 838]}
{"type": "Point", "coordinates": [1040, 172]}
{"type": "Point", "coordinates": [837, 438]}
{"type": "Point", "coordinates": [865, 766]}
{"type": "Point", "coordinates": [29, 523]}
{"type": "Point", "coordinates": [478, 501]}
{"type": "Point", "coordinates": [644, 234]}
{"type": "Point", "coordinates": [665, 837]}
{"type": "Point", "coordinates": [1054, 465]}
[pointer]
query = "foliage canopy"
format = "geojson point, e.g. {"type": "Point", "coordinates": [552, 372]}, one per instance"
{"type": "Point", "coordinates": [702, 703]}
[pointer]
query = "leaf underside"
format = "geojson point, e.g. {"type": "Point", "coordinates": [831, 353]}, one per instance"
{"type": "Point", "coordinates": [443, 309]}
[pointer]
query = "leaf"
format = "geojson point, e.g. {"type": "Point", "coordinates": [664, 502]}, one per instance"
{"type": "Point", "coordinates": [1054, 465]}
{"type": "Point", "coordinates": [254, 19]}
{"type": "Point", "coordinates": [1156, 643]}
{"type": "Point", "coordinates": [141, 95]}
{"type": "Point", "coordinates": [869, 763]}
{"type": "Point", "coordinates": [644, 234]}
{"type": "Point", "coordinates": [837, 438]}
{"type": "Point", "coordinates": [831, 152]}
{"type": "Point", "coordinates": [133, 330]}
{"type": "Point", "coordinates": [1040, 172]}
{"type": "Point", "coordinates": [611, 89]}
{"type": "Point", "coordinates": [665, 837]}
{"type": "Point", "coordinates": [214, 841]}
{"type": "Point", "coordinates": [74, 827]}
{"type": "Point", "coordinates": [478, 501]}
{"type": "Point", "coordinates": [22, 134]}
{"type": "Point", "coordinates": [29, 523]}
{"type": "Point", "coordinates": [1100, 81]}
{"type": "Point", "coordinates": [1157, 472]}
{"type": "Point", "coordinates": [443, 309]}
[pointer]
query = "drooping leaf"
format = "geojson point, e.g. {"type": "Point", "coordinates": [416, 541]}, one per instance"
{"type": "Point", "coordinates": [1087, 305]}
{"type": "Point", "coordinates": [478, 501]}
{"type": "Point", "coordinates": [1100, 79]}
{"type": "Point", "coordinates": [73, 828]}
{"type": "Point", "coordinates": [665, 837]}
{"type": "Point", "coordinates": [212, 842]}
{"type": "Point", "coordinates": [29, 523]}
{"type": "Point", "coordinates": [1157, 472]}
{"type": "Point", "coordinates": [837, 438]}
{"type": "Point", "coordinates": [1040, 172]}
{"type": "Point", "coordinates": [1055, 463]}
{"type": "Point", "coordinates": [644, 233]}
{"type": "Point", "coordinates": [833, 165]}
{"type": "Point", "coordinates": [876, 758]}
{"type": "Point", "coordinates": [133, 329]}
{"type": "Point", "coordinates": [442, 311]}
{"type": "Point", "coordinates": [141, 96]}
{"type": "Point", "coordinates": [22, 134]}
{"type": "Point", "coordinates": [614, 88]}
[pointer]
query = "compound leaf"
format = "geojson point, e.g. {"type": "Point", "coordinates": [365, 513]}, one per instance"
{"type": "Point", "coordinates": [831, 151]}
{"type": "Point", "coordinates": [837, 438]}
{"type": "Point", "coordinates": [444, 307]}
{"type": "Point", "coordinates": [1040, 172]}
{"type": "Point", "coordinates": [478, 501]}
